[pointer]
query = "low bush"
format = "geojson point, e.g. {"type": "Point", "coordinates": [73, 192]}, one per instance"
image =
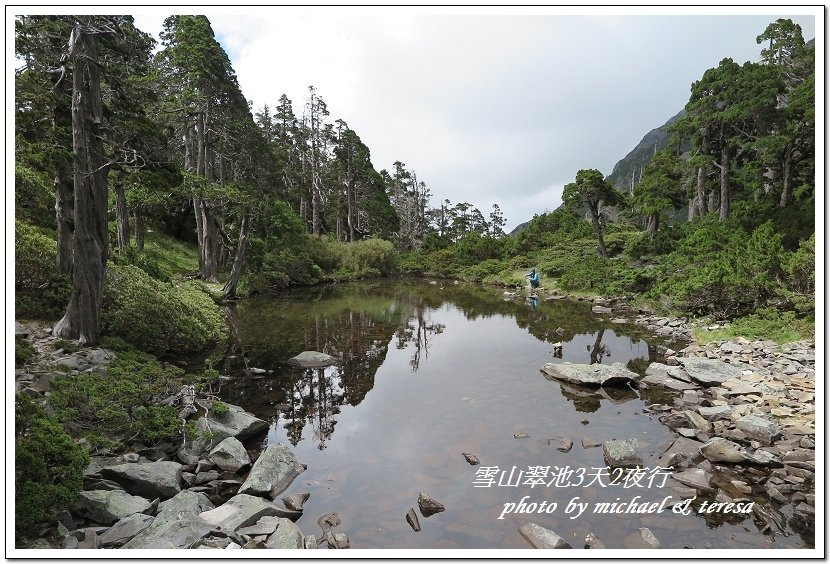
{"type": "Point", "coordinates": [40, 292]}
{"type": "Point", "coordinates": [23, 350]}
{"type": "Point", "coordinates": [111, 408]}
{"type": "Point", "coordinates": [49, 466]}
{"type": "Point", "coordinates": [159, 317]}
{"type": "Point", "coordinates": [764, 323]}
{"type": "Point", "coordinates": [134, 257]}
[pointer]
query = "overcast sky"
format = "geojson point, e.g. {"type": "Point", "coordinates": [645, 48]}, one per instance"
{"type": "Point", "coordinates": [487, 108]}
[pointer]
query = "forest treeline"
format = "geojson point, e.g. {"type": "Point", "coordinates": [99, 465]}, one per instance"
{"type": "Point", "coordinates": [115, 139]}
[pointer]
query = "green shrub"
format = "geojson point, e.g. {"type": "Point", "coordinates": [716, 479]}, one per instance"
{"type": "Point", "coordinates": [485, 269]}
{"type": "Point", "coordinates": [764, 323]}
{"type": "Point", "coordinates": [39, 290]}
{"type": "Point", "coordinates": [159, 317]}
{"type": "Point", "coordinates": [113, 407]}
{"type": "Point", "coordinates": [48, 465]}
{"type": "Point", "coordinates": [800, 269]}
{"type": "Point", "coordinates": [368, 255]}
{"type": "Point", "coordinates": [34, 196]}
{"type": "Point", "coordinates": [23, 350]}
{"type": "Point", "coordinates": [218, 408]}
{"type": "Point", "coordinates": [132, 256]}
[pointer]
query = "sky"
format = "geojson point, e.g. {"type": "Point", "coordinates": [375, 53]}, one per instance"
{"type": "Point", "coordinates": [488, 105]}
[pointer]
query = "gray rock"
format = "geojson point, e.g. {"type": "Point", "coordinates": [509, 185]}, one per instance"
{"type": "Point", "coordinates": [658, 369]}
{"type": "Point", "coordinates": [287, 535]}
{"type": "Point", "coordinates": [600, 309]}
{"type": "Point", "coordinates": [412, 519]}
{"type": "Point", "coordinates": [590, 374]}
{"type": "Point", "coordinates": [588, 442]}
{"type": "Point", "coordinates": [758, 428]}
{"type": "Point", "coordinates": [715, 412]}
{"type": "Point", "coordinates": [230, 455]}
{"type": "Point", "coordinates": [147, 479]}
{"type": "Point", "coordinates": [428, 505]}
{"type": "Point", "coordinates": [295, 501]}
{"type": "Point", "coordinates": [340, 541]}
{"type": "Point", "coordinates": [707, 371]}
{"type": "Point", "coordinates": [698, 421]}
{"type": "Point", "coordinates": [206, 477]}
{"type": "Point", "coordinates": [108, 506]}
{"type": "Point", "coordinates": [471, 458]}
{"type": "Point", "coordinates": [642, 538]}
{"type": "Point", "coordinates": [721, 450]}
{"type": "Point", "coordinates": [762, 458]}
{"type": "Point", "coordinates": [173, 532]}
{"type": "Point", "coordinates": [313, 359]}
{"type": "Point", "coordinates": [263, 527]}
{"type": "Point", "coordinates": [310, 542]}
{"type": "Point", "coordinates": [621, 454]}
{"type": "Point", "coordinates": [273, 472]}
{"type": "Point", "coordinates": [694, 477]}
{"type": "Point", "coordinates": [89, 539]}
{"type": "Point", "coordinates": [183, 505]}
{"type": "Point", "coordinates": [540, 537]}
{"type": "Point", "coordinates": [124, 530]}
{"type": "Point", "coordinates": [239, 511]}
{"type": "Point", "coordinates": [235, 423]}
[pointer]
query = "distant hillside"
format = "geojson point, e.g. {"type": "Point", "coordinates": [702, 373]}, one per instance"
{"type": "Point", "coordinates": [632, 164]}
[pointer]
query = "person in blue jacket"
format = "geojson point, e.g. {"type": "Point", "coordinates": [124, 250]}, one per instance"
{"type": "Point", "coordinates": [533, 276]}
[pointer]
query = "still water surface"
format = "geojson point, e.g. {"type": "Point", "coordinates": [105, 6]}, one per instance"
{"type": "Point", "coordinates": [429, 372]}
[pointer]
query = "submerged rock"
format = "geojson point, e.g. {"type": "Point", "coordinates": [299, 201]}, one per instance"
{"type": "Point", "coordinates": [313, 359]}
{"type": "Point", "coordinates": [591, 374]}
{"type": "Point", "coordinates": [540, 537]}
{"type": "Point", "coordinates": [642, 538]}
{"type": "Point", "coordinates": [471, 458]}
{"type": "Point", "coordinates": [593, 542]}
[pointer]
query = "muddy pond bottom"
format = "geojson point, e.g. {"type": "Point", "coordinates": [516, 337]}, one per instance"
{"type": "Point", "coordinates": [429, 372]}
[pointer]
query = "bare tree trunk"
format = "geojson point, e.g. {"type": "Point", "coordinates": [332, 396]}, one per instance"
{"type": "Point", "coordinates": [653, 225]}
{"type": "Point", "coordinates": [598, 228]}
{"type": "Point", "coordinates": [239, 259]}
{"type": "Point", "coordinates": [139, 228]}
{"type": "Point", "coordinates": [724, 183]}
{"type": "Point", "coordinates": [90, 241]}
{"type": "Point", "coordinates": [701, 191]}
{"type": "Point", "coordinates": [315, 203]}
{"type": "Point", "coordinates": [122, 214]}
{"type": "Point", "coordinates": [693, 207]}
{"type": "Point", "coordinates": [786, 190]}
{"type": "Point", "coordinates": [208, 245]}
{"type": "Point", "coordinates": [304, 212]}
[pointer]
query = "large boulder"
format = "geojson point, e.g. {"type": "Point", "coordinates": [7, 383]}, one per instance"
{"type": "Point", "coordinates": [230, 455]}
{"type": "Point", "coordinates": [709, 371]}
{"type": "Point", "coordinates": [160, 479]}
{"type": "Point", "coordinates": [124, 530]}
{"type": "Point", "coordinates": [173, 532]}
{"type": "Point", "coordinates": [273, 472]}
{"type": "Point", "coordinates": [183, 504]}
{"type": "Point", "coordinates": [313, 359]}
{"type": "Point", "coordinates": [239, 511]}
{"type": "Point", "coordinates": [590, 374]}
{"type": "Point", "coordinates": [108, 506]}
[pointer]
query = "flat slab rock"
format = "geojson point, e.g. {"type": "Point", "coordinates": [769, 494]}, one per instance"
{"type": "Point", "coordinates": [590, 374]}
{"type": "Point", "coordinates": [540, 537]}
{"type": "Point", "coordinates": [313, 359]}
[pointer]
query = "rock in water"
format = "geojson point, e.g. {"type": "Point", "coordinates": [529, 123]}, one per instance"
{"type": "Point", "coordinates": [621, 454]}
{"type": "Point", "coordinates": [591, 374]}
{"type": "Point", "coordinates": [471, 458]}
{"type": "Point", "coordinates": [295, 501]}
{"type": "Point", "coordinates": [540, 537]}
{"type": "Point", "coordinates": [273, 472]}
{"type": "Point", "coordinates": [412, 519]}
{"type": "Point", "coordinates": [313, 359]}
{"type": "Point", "coordinates": [428, 505]}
